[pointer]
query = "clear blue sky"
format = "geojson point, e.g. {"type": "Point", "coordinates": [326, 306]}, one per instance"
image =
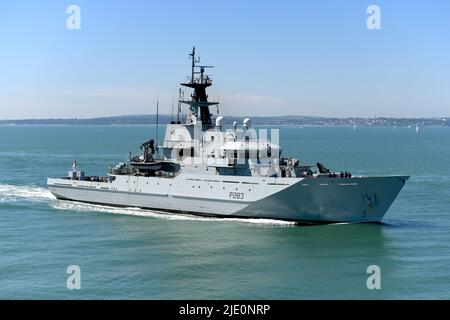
{"type": "Point", "coordinates": [271, 57]}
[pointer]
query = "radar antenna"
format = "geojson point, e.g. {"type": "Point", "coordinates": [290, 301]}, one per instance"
{"type": "Point", "coordinates": [199, 104]}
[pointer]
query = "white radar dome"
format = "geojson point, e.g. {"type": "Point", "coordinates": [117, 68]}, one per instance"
{"type": "Point", "coordinates": [247, 123]}
{"type": "Point", "coordinates": [219, 121]}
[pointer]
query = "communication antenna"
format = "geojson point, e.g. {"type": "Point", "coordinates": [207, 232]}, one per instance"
{"type": "Point", "coordinates": [157, 120]}
{"type": "Point", "coordinates": [194, 61]}
{"type": "Point", "coordinates": [179, 106]}
{"type": "Point", "coordinates": [218, 104]}
{"type": "Point", "coordinates": [171, 118]}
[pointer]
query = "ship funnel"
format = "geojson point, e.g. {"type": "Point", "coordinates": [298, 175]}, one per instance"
{"type": "Point", "coordinates": [219, 121]}
{"type": "Point", "coordinates": [247, 123]}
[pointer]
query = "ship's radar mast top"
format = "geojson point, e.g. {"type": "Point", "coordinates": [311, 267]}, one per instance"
{"type": "Point", "coordinates": [200, 70]}
{"type": "Point", "coordinates": [199, 105]}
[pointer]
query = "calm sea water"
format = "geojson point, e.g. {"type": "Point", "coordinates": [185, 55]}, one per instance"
{"type": "Point", "coordinates": [128, 253]}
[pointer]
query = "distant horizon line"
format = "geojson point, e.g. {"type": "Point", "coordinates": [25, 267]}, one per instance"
{"type": "Point", "coordinates": [230, 116]}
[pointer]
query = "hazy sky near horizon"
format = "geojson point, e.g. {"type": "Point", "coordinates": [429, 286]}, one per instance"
{"type": "Point", "coordinates": [270, 57]}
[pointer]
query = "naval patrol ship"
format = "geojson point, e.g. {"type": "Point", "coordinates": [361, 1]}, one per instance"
{"type": "Point", "coordinates": [203, 167]}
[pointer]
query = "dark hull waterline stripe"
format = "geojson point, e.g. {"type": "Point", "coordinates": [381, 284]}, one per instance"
{"type": "Point", "coordinates": [201, 214]}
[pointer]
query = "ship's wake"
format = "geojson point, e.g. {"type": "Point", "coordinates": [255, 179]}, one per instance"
{"type": "Point", "coordinates": [15, 193]}
{"type": "Point", "coordinates": [32, 193]}
{"type": "Point", "coordinates": [85, 207]}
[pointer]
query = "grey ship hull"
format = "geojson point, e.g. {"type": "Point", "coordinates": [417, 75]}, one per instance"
{"type": "Point", "coordinates": [307, 200]}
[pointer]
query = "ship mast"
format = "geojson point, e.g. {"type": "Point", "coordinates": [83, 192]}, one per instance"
{"type": "Point", "coordinates": [199, 104]}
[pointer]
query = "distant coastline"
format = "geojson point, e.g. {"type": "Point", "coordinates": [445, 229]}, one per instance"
{"type": "Point", "coordinates": [257, 120]}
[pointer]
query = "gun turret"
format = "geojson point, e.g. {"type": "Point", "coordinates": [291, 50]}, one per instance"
{"type": "Point", "coordinates": [322, 168]}
{"type": "Point", "coordinates": [145, 148]}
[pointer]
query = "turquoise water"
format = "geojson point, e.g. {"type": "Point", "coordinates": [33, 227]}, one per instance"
{"type": "Point", "coordinates": [128, 253]}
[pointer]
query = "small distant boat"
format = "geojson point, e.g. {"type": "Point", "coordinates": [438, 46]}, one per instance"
{"type": "Point", "coordinates": [417, 128]}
